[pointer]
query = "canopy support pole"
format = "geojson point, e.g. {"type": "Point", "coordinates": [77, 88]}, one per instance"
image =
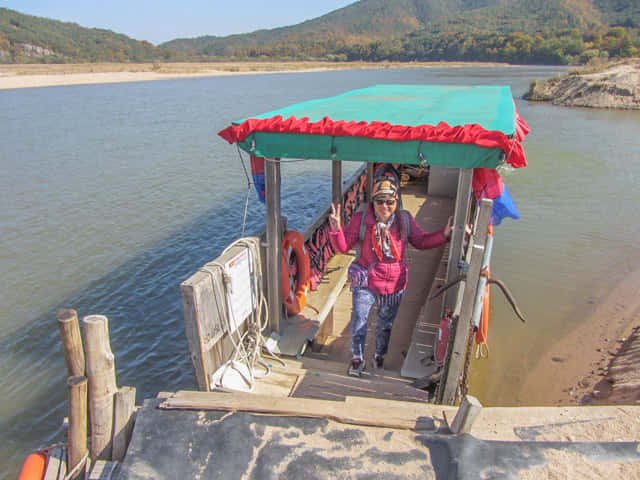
{"type": "Point", "coordinates": [369, 186]}
{"type": "Point", "coordinates": [274, 240]}
{"type": "Point", "coordinates": [336, 182]}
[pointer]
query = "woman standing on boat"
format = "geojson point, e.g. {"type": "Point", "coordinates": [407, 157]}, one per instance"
{"type": "Point", "coordinates": [379, 276]}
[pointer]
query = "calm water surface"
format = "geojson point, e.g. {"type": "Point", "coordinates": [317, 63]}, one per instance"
{"type": "Point", "coordinates": [113, 194]}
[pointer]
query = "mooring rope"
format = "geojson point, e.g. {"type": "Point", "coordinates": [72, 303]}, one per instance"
{"type": "Point", "coordinates": [249, 184]}
{"type": "Point", "coordinates": [247, 348]}
{"type": "Point", "coordinates": [77, 468]}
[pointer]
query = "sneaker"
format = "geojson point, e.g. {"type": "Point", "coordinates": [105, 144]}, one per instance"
{"type": "Point", "coordinates": [378, 361]}
{"type": "Point", "coordinates": [356, 367]}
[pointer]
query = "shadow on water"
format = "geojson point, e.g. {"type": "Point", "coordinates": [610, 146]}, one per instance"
{"type": "Point", "coordinates": [142, 302]}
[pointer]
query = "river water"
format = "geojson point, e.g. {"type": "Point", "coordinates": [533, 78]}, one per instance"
{"type": "Point", "coordinates": [113, 194]}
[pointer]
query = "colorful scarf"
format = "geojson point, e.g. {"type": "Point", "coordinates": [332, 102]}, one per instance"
{"type": "Point", "coordinates": [382, 241]}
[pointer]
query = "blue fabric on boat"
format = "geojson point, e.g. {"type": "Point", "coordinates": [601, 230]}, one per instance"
{"type": "Point", "coordinates": [503, 207]}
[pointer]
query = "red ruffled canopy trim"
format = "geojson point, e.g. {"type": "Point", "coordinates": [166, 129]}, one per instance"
{"type": "Point", "coordinates": [468, 134]}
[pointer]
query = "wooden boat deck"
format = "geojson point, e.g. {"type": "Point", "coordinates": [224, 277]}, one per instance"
{"type": "Point", "coordinates": [321, 374]}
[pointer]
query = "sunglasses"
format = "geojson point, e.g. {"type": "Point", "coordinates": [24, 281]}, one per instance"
{"type": "Point", "coordinates": [388, 202]}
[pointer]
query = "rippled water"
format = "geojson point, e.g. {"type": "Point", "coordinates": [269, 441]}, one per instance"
{"type": "Point", "coordinates": [114, 194]}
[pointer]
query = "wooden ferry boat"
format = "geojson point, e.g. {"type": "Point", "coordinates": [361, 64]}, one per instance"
{"type": "Point", "coordinates": [445, 133]}
{"type": "Point", "coordinates": [270, 343]}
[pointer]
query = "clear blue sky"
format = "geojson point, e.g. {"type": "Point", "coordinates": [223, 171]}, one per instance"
{"type": "Point", "coordinates": [161, 20]}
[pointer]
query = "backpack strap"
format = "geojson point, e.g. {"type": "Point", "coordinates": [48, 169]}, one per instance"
{"type": "Point", "coordinates": [407, 227]}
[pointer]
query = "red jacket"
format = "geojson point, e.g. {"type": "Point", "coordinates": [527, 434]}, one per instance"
{"type": "Point", "coordinates": [388, 275]}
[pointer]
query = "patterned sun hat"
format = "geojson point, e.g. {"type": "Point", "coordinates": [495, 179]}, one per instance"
{"type": "Point", "coordinates": [385, 187]}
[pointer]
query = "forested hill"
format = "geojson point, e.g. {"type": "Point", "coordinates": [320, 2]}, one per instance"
{"type": "Point", "coordinates": [25, 38]}
{"type": "Point", "coordinates": [517, 31]}
{"type": "Point", "coordinates": [514, 31]}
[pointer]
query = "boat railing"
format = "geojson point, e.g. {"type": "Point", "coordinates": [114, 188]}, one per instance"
{"type": "Point", "coordinates": [317, 235]}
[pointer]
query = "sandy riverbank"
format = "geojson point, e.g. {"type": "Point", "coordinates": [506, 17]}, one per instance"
{"type": "Point", "coordinates": [40, 75]}
{"type": "Point", "coordinates": [598, 362]}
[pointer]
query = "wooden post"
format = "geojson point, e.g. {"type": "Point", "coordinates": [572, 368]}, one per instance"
{"type": "Point", "coordinates": [455, 366]}
{"type": "Point", "coordinates": [467, 414]}
{"type": "Point", "coordinates": [336, 182]}
{"type": "Point", "coordinates": [369, 188]}
{"type": "Point", "coordinates": [101, 373]}
{"type": "Point", "coordinates": [77, 424]}
{"type": "Point", "coordinates": [71, 341]}
{"type": "Point", "coordinates": [274, 239]}
{"type": "Point", "coordinates": [124, 406]}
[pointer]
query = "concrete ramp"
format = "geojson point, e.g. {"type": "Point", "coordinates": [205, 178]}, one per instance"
{"type": "Point", "coordinates": [211, 444]}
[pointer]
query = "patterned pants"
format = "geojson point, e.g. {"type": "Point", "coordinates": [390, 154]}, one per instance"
{"type": "Point", "coordinates": [363, 300]}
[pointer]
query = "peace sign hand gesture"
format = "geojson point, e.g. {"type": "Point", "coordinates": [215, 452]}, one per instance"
{"type": "Point", "coordinates": [334, 218]}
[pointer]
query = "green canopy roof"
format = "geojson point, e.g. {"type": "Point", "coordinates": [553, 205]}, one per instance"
{"type": "Point", "coordinates": [460, 126]}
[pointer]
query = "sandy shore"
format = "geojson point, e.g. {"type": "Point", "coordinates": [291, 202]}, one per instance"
{"type": "Point", "coordinates": [598, 362]}
{"type": "Point", "coordinates": [40, 75]}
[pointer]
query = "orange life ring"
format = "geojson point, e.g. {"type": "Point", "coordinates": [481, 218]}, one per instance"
{"type": "Point", "coordinates": [295, 286]}
{"type": "Point", "coordinates": [34, 467]}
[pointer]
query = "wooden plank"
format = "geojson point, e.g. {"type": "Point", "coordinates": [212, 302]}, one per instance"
{"type": "Point", "coordinates": [202, 321]}
{"type": "Point", "coordinates": [417, 363]}
{"type": "Point", "coordinates": [274, 239]}
{"type": "Point", "coordinates": [301, 329]}
{"type": "Point", "coordinates": [103, 470]}
{"type": "Point", "coordinates": [467, 414]}
{"type": "Point", "coordinates": [277, 383]}
{"type": "Point", "coordinates": [124, 406]}
{"type": "Point", "coordinates": [296, 407]}
{"type": "Point", "coordinates": [56, 464]}
{"type": "Point", "coordinates": [460, 218]}
{"type": "Point", "coordinates": [416, 409]}
{"type": "Point", "coordinates": [337, 386]}
{"type": "Point", "coordinates": [339, 265]}
{"type": "Point", "coordinates": [77, 435]}
{"type": "Point", "coordinates": [455, 367]}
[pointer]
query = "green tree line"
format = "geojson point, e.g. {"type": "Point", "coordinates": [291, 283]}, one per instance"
{"type": "Point", "coordinates": [561, 47]}
{"type": "Point", "coordinates": [569, 46]}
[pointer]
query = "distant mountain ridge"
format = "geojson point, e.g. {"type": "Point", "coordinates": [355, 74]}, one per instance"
{"type": "Point", "coordinates": [362, 21]}
{"type": "Point", "coordinates": [515, 31]}
{"type": "Point", "coordinates": [368, 21]}
{"type": "Point", "coordinates": [26, 38]}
